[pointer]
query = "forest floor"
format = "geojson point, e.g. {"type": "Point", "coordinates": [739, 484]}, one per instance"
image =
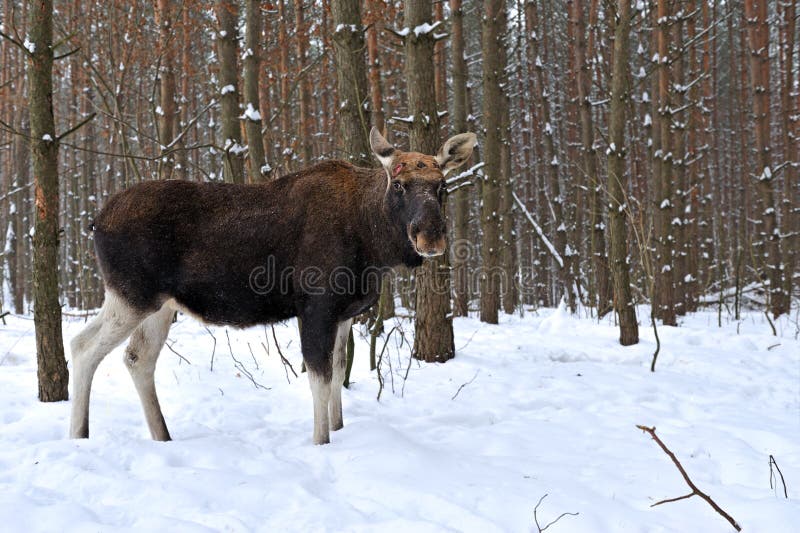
{"type": "Point", "coordinates": [541, 404]}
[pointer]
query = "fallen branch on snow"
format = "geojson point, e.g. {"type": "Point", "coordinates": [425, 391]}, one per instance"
{"type": "Point", "coordinates": [536, 518]}
{"type": "Point", "coordinates": [772, 476]}
{"type": "Point", "coordinates": [695, 490]}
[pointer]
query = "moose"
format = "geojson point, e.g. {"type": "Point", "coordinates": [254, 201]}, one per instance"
{"type": "Point", "coordinates": [241, 255]}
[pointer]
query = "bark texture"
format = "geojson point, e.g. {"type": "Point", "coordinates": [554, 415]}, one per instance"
{"type": "Point", "coordinates": [348, 42]}
{"type": "Point", "coordinates": [227, 51]}
{"type": "Point", "coordinates": [433, 325]}
{"type": "Point", "coordinates": [617, 180]}
{"type": "Point", "coordinates": [257, 170]}
{"type": "Point", "coordinates": [52, 367]}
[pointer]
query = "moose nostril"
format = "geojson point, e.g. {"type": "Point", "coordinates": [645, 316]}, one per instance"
{"type": "Point", "coordinates": [414, 228]}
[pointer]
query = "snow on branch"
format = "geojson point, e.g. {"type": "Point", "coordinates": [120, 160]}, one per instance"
{"type": "Point", "coordinates": [466, 174]}
{"type": "Point", "coordinates": [539, 232]}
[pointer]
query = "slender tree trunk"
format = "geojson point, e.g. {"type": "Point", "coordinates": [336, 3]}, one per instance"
{"type": "Point", "coordinates": [227, 51]}
{"type": "Point", "coordinates": [304, 128]}
{"type": "Point", "coordinates": [617, 180]}
{"type": "Point", "coordinates": [493, 29]}
{"type": "Point", "coordinates": [185, 98]}
{"type": "Point", "coordinates": [664, 296]}
{"type": "Point", "coordinates": [167, 111]}
{"type": "Point", "coordinates": [583, 69]}
{"type": "Point", "coordinates": [509, 237]}
{"type": "Point", "coordinates": [768, 244]}
{"type": "Point", "coordinates": [351, 74]}
{"type": "Point", "coordinates": [433, 325]}
{"type": "Point", "coordinates": [461, 247]}
{"type": "Point", "coordinates": [52, 367]}
{"type": "Point", "coordinates": [257, 164]}
{"type": "Point", "coordinates": [790, 207]}
{"type": "Point", "coordinates": [376, 91]}
{"type": "Point", "coordinates": [678, 129]}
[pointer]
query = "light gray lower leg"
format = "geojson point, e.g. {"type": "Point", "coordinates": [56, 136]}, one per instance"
{"type": "Point", "coordinates": [320, 392]}
{"type": "Point", "coordinates": [113, 325]}
{"type": "Point", "coordinates": [140, 358]}
{"type": "Point", "coordinates": [339, 365]}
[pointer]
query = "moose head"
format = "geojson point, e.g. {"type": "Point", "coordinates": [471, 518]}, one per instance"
{"type": "Point", "coordinates": [416, 187]}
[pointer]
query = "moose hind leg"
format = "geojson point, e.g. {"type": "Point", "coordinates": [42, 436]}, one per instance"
{"type": "Point", "coordinates": [140, 358]}
{"type": "Point", "coordinates": [339, 365]}
{"type": "Point", "coordinates": [113, 324]}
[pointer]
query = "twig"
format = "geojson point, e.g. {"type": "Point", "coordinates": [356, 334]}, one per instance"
{"type": "Point", "coordinates": [283, 359]}
{"type": "Point", "coordinates": [76, 127]}
{"type": "Point", "coordinates": [239, 366]}
{"type": "Point", "coordinates": [214, 350]}
{"type": "Point", "coordinates": [772, 476]}
{"type": "Point", "coordinates": [536, 518]}
{"type": "Point", "coordinates": [171, 349]}
{"type": "Point", "coordinates": [467, 383]}
{"type": "Point", "coordinates": [252, 355]}
{"type": "Point", "coordinates": [695, 490]}
{"type": "Point", "coordinates": [658, 340]}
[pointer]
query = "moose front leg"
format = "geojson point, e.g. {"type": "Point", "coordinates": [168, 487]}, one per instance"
{"type": "Point", "coordinates": [317, 337]}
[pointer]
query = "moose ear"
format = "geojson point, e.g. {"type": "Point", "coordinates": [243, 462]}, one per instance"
{"type": "Point", "coordinates": [456, 151]}
{"type": "Point", "coordinates": [384, 151]}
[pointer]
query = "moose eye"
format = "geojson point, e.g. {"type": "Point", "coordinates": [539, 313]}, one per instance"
{"type": "Point", "coordinates": [398, 187]}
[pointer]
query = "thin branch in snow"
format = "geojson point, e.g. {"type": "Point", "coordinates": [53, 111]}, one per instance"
{"type": "Point", "coordinates": [536, 518]}
{"type": "Point", "coordinates": [465, 384]}
{"type": "Point", "coordinates": [772, 476]}
{"type": "Point", "coordinates": [695, 490]}
{"type": "Point", "coordinates": [214, 349]}
{"type": "Point", "coordinates": [241, 368]}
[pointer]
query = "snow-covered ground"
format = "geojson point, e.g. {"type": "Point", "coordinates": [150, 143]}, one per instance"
{"type": "Point", "coordinates": [550, 408]}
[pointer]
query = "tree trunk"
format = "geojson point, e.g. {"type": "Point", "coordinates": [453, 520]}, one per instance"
{"type": "Point", "coordinates": [257, 164]}
{"type": "Point", "coordinates": [664, 295]}
{"type": "Point", "coordinates": [509, 237]}
{"type": "Point", "coordinates": [52, 367]}
{"type": "Point", "coordinates": [583, 70]}
{"type": "Point", "coordinates": [167, 111]}
{"type": "Point", "coordinates": [376, 91]}
{"type": "Point", "coordinates": [493, 29]}
{"type": "Point", "coordinates": [767, 245]}
{"type": "Point", "coordinates": [227, 51]}
{"type": "Point", "coordinates": [617, 180]}
{"type": "Point", "coordinates": [433, 325]}
{"type": "Point", "coordinates": [304, 127]}
{"type": "Point", "coordinates": [790, 208]}
{"type": "Point", "coordinates": [461, 246]}
{"type": "Point", "coordinates": [351, 76]}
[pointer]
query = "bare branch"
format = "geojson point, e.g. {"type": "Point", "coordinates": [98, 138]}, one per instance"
{"type": "Point", "coordinates": [465, 384]}
{"type": "Point", "coordinates": [695, 490]}
{"type": "Point", "coordinates": [536, 518]}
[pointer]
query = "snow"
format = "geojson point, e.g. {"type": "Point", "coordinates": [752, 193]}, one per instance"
{"type": "Point", "coordinates": [250, 113]}
{"type": "Point", "coordinates": [352, 27]}
{"type": "Point", "coordinates": [47, 137]}
{"type": "Point", "coordinates": [227, 89]}
{"type": "Point", "coordinates": [29, 45]}
{"type": "Point", "coordinates": [551, 408]}
{"type": "Point", "coordinates": [426, 28]}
